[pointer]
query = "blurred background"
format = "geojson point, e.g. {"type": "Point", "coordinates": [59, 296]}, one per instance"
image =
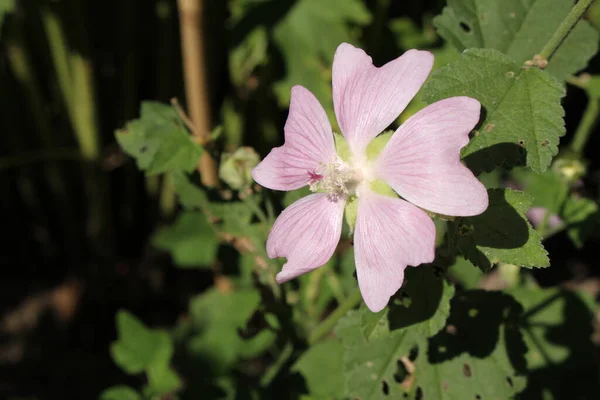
{"type": "Point", "coordinates": [77, 213]}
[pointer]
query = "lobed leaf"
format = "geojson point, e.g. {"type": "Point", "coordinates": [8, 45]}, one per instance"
{"type": "Point", "coordinates": [501, 234]}
{"type": "Point", "coordinates": [138, 347]}
{"type": "Point", "coordinates": [519, 29]}
{"type": "Point", "coordinates": [522, 118]}
{"type": "Point", "coordinates": [158, 141]}
{"type": "Point", "coordinates": [191, 240]}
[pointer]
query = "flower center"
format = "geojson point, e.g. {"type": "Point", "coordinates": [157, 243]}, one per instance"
{"type": "Point", "coordinates": [337, 179]}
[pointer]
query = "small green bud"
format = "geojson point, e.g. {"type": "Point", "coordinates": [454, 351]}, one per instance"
{"type": "Point", "coordinates": [236, 167]}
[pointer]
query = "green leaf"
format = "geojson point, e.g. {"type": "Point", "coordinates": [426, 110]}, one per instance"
{"type": "Point", "coordinates": [501, 234]}
{"type": "Point", "coordinates": [422, 304]}
{"type": "Point", "coordinates": [190, 196]}
{"type": "Point", "coordinates": [6, 6]}
{"type": "Point", "coordinates": [158, 141]}
{"type": "Point", "coordinates": [138, 347]}
{"type": "Point", "coordinates": [370, 366]}
{"type": "Point", "coordinates": [161, 380]}
{"type": "Point", "coordinates": [549, 190]}
{"type": "Point", "coordinates": [480, 354]}
{"type": "Point", "coordinates": [217, 317]}
{"type": "Point", "coordinates": [519, 29]}
{"type": "Point", "coordinates": [249, 54]}
{"type": "Point", "coordinates": [120, 392]}
{"type": "Point", "coordinates": [465, 273]}
{"type": "Point", "coordinates": [521, 109]}
{"type": "Point", "coordinates": [321, 367]}
{"type": "Point", "coordinates": [191, 240]}
{"type": "Point", "coordinates": [581, 216]}
{"type": "Point", "coordinates": [557, 327]}
{"type": "Point", "coordinates": [307, 37]}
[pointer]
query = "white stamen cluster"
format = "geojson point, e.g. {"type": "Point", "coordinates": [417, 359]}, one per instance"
{"type": "Point", "coordinates": [336, 179]}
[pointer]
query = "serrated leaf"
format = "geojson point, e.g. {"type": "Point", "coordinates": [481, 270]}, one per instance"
{"type": "Point", "coordinates": [158, 141]}
{"type": "Point", "coordinates": [522, 109]}
{"type": "Point", "coordinates": [307, 38]}
{"type": "Point", "coordinates": [501, 234]}
{"type": "Point", "coordinates": [372, 365]}
{"type": "Point", "coordinates": [161, 380]}
{"type": "Point", "coordinates": [581, 216]}
{"type": "Point", "coordinates": [548, 189]}
{"type": "Point", "coordinates": [556, 327]}
{"type": "Point", "coordinates": [190, 195]}
{"type": "Point", "coordinates": [480, 354]}
{"type": "Point", "coordinates": [519, 29]}
{"type": "Point", "coordinates": [422, 304]}
{"type": "Point", "coordinates": [321, 367]}
{"type": "Point", "coordinates": [191, 240]}
{"type": "Point", "coordinates": [120, 392]}
{"type": "Point", "coordinates": [138, 347]}
{"type": "Point", "coordinates": [217, 317]}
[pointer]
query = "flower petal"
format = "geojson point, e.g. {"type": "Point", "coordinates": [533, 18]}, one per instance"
{"type": "Point", "coordinates": [308, 143]}
{"type": "Point", "coordinates": [306, 233]}
{"type": "Point", "coordinates": [421, 162]}
{"type": "Point", "coordinates": [390, 234]}
{"type": "Point", "coordinates": [368, 99]}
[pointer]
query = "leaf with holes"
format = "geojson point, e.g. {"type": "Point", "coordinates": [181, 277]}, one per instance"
{"type": "Point", "coordinates": [479, 355]}
{"type": "Point", "coordinates": [522, 118]}
{"type": "Point", "coordinates": [501, 234]}
{"type": "Point", "coordinates": [519, 29]}
{"type": "Point", "coordinates": [422, 304]}
{"type": "Point", "coordinates": [158, 141]}
{"type": "Point", "coordinates": [372, 368]}
{"type": "Point", "coordinates": [557, 327]}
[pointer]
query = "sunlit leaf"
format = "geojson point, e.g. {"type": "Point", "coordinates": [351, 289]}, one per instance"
{"type": "Point", "coordinates": [501, 234]}
{"type": "Point", "coordinates": [522, 118]}
{"type": "Point", "coordinates": [519, 29]}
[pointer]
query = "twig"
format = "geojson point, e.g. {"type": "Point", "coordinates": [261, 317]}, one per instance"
{"type": "Point", "coordinates": [192, 48]}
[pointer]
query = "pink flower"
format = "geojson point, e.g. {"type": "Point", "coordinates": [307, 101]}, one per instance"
{"type": "Point", "coordinates": [421, 162]}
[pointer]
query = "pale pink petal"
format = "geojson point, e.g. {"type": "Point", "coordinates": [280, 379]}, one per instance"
{"type": "Point", "coordinates": [308, 143]}
{"type": "Point", "coordinates": [422, 159]}
{"type": "Point", "coordinates": [368, 99]}
{"type": "Point", "coordinates": [390, 234]}
{"type": "Point", "coordinates": [306, 233]}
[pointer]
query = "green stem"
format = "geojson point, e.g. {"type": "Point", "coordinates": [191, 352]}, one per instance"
{"type": "Point", "coordinates": [565, 27]}
{"type": "Point", "coordinates": [324, 327]}
{"type": "Point", "coordinates": [586, 126]}
{"type": "Point", "coordinates": [274, 369]}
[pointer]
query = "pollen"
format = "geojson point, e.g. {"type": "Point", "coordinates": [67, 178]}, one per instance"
{"type": "Point", "coordinates": [336, 178]}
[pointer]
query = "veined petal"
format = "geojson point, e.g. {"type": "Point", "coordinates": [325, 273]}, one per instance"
{"type": "Point", "coordinates": [368, 99]}
{"type": "Point", "coordinates": [308, 144]}
{"type": "Point", "coordinates": [306, 233]}
{"type": "Point", "coordinates": [390, 235]}
{"type": "Point", "coordinates": [421, 162]}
